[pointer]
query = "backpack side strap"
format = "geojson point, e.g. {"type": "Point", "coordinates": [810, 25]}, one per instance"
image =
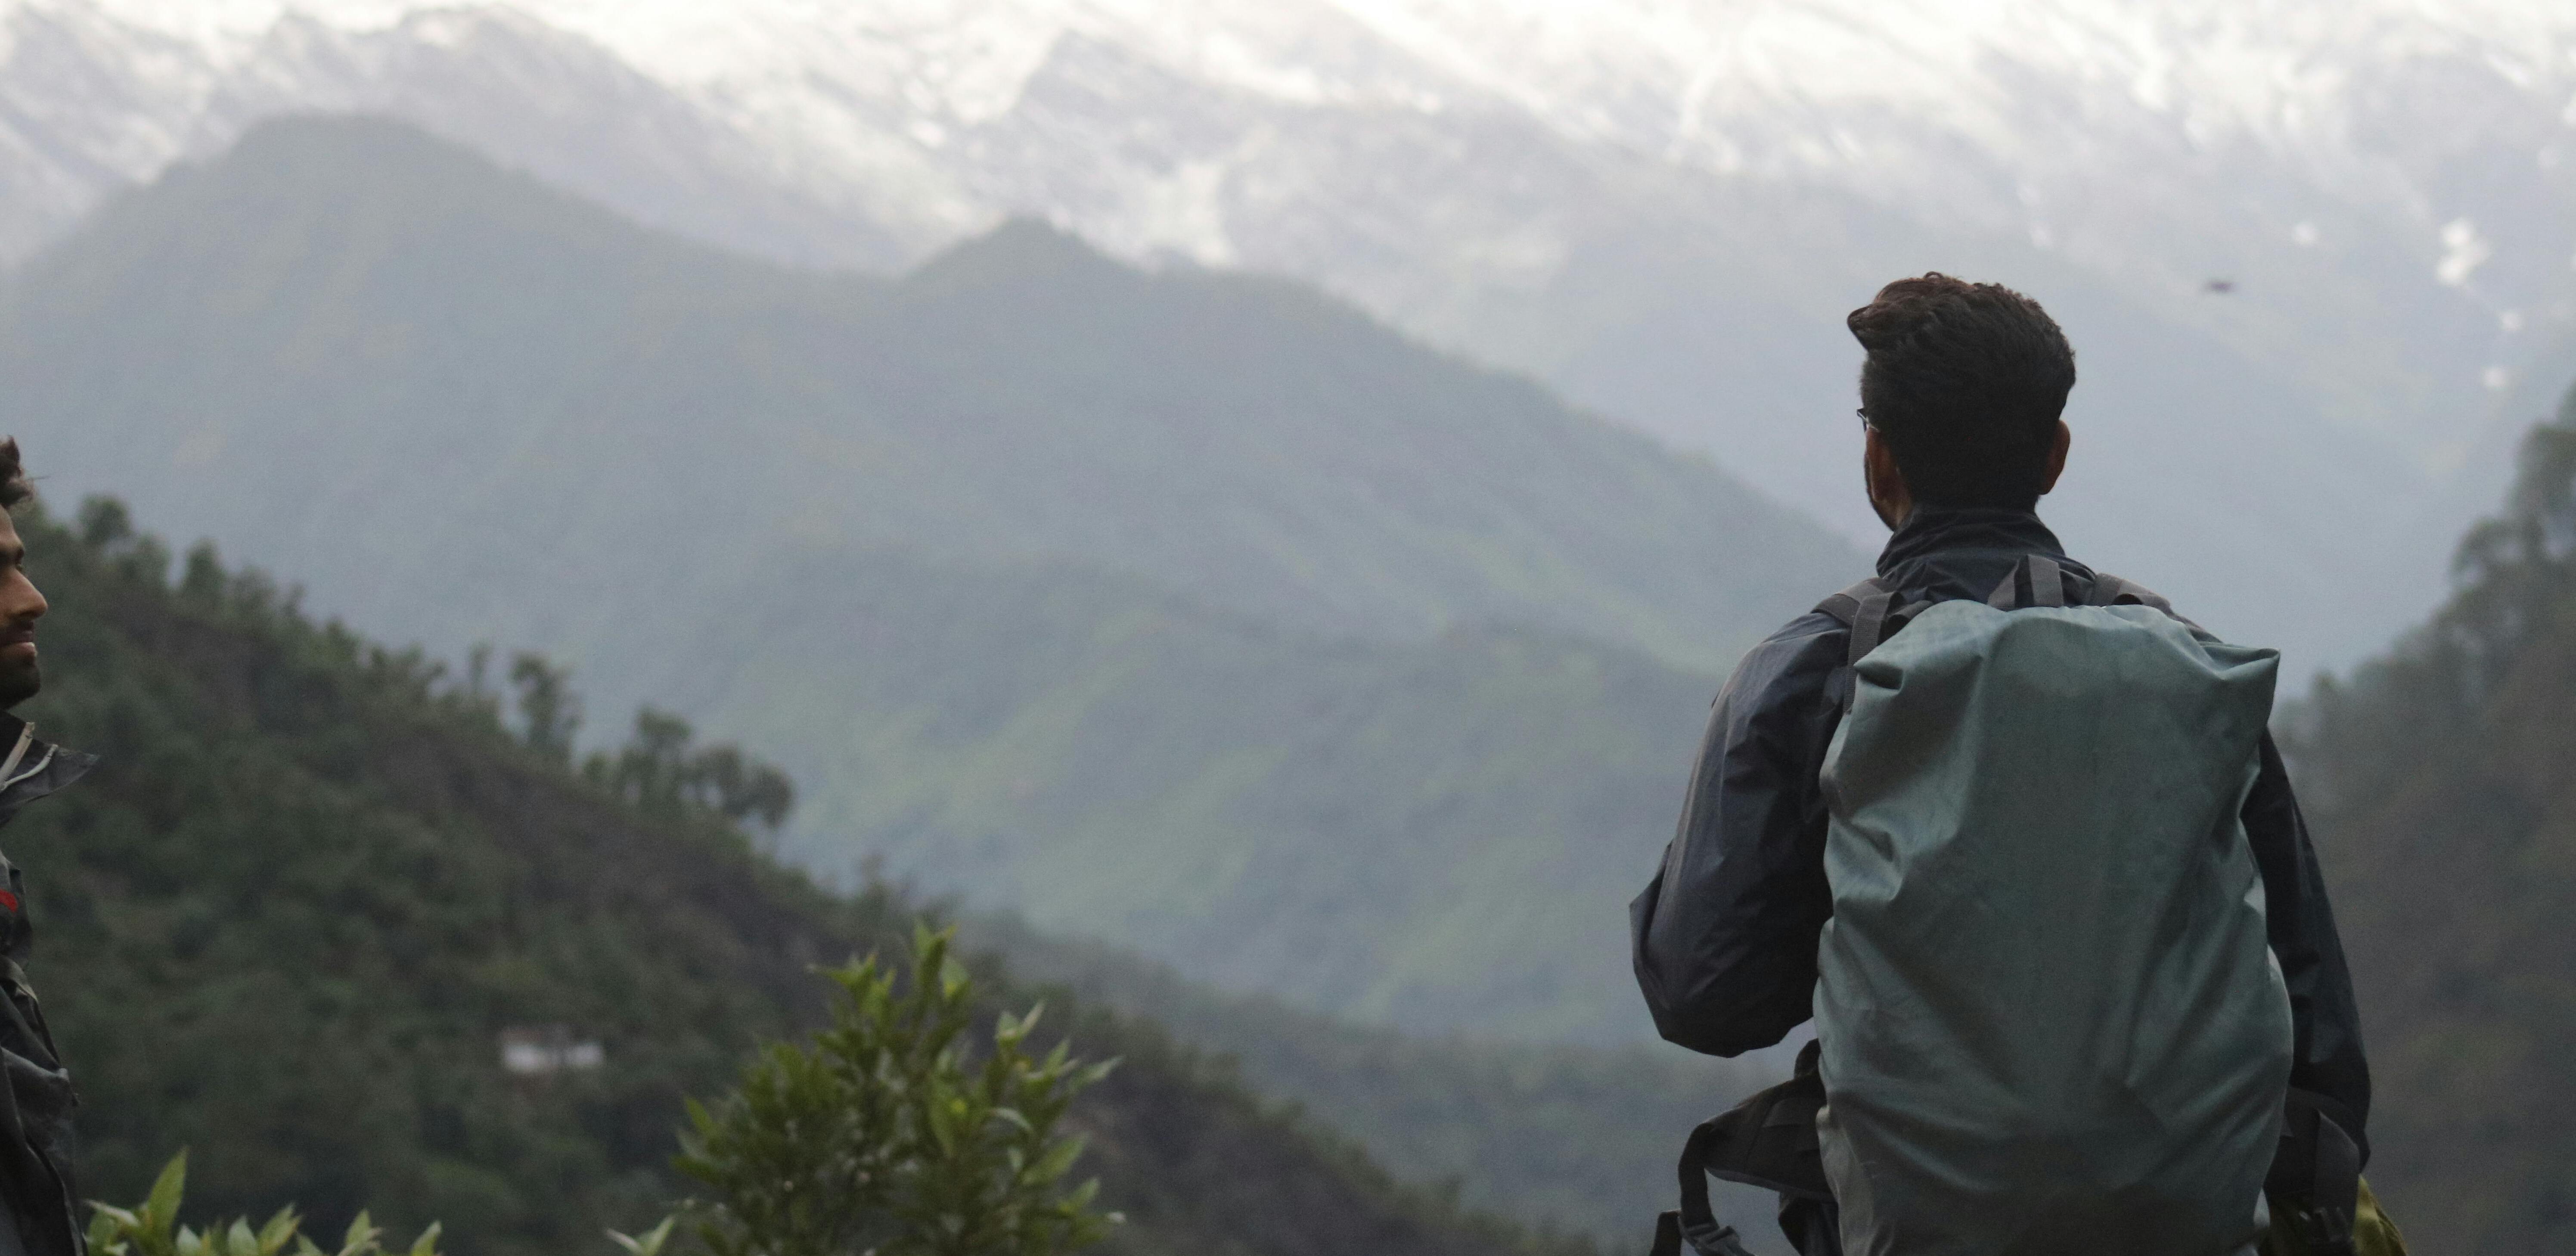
{"type": "Point", "coordinates": [2110, 590]}
{"type": "Point", "coordinates": [2315, 1182]}
{"type": "Point", "coordinates": [1694, 1227]}
{"type": "Point", "coordinates": [1767, 1141]}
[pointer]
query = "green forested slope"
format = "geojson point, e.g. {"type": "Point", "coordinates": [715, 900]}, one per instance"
{"type": "Point", "coordinates": [2438, 782]}
{"type": "Point", "coordinates": [284, 921]}
{"type": "Point", "coordinates": [1440, 835]}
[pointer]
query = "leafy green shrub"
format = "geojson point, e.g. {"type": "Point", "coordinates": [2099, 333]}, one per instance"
{"type": "Point", "coordinates": [884, 1134]}
{"type": "Point", "coordinates": [152, 1228]}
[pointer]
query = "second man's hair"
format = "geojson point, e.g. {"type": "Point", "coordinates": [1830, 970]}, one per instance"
{"type": "Point", "coordinates": [15, 490]}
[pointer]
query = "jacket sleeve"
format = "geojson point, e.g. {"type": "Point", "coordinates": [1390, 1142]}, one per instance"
{"type": "Point", "coordinates": [2325, 1023]}
{"type": "Point", "coordinates": [1725, 935]}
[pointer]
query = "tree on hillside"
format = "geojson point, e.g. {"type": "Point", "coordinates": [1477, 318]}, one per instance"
{"type": "Point", "coordinates": [659, 770]}
{"type": "Point", "coordinates": [2515, 585]}
{"type": "Point", "coordinates": [549, 712]}
{"type": "Point", "coordinates": [887, 1133]}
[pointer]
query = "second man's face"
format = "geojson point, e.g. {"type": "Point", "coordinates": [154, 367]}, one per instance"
{"type": "Point", "coordinates": [20, 607]}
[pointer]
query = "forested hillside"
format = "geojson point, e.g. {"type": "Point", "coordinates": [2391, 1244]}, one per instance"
{"type": "Point", "coordinates": [2437, 780]}
{"type": "Point", "coordinates": [285, 922]}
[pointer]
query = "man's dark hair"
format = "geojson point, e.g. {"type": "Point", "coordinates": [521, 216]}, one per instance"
{"type": "Point", "coordinates": [1965, 382]}
{"type": "Point", "coordinates": [15, 490]}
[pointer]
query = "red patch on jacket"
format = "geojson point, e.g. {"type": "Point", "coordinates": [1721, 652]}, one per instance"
{"type": "Point", "coordinates": [8, 900]}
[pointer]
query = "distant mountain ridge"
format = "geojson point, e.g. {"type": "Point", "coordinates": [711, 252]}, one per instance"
{"type": "Point", "coordinates": [2315, 258]}
{"type": "Point", "coordinates": [1195, 611]}
{"type": "Point", "coordinates": [381, 325]}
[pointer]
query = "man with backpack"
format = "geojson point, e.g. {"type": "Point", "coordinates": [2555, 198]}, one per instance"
{"type": "Point", "coordinates": [2015, 836]}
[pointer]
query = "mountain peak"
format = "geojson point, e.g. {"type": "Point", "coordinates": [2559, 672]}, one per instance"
{"type": "Point", "coordinates": [1020, 250]}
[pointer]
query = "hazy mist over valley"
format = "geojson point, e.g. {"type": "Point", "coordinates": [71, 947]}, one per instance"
{"type": "Point", "coordinates": [1248, 502]}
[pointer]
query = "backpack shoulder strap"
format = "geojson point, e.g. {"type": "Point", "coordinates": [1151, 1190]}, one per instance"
{"type": "Point", "coordinates": [1867, 609]}
{"type": "Point", "coordinates": [1845, 606]}
{"type": "Point", "coordinates": [2047, 584]}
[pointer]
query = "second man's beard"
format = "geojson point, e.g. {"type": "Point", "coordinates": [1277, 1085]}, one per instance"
{"type": "Point", "coordinates": [19, 682]}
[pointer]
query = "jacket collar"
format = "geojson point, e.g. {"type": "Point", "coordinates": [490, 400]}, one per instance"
{"type": "Point", "coordinates": [17, 746]}
{"type": "Point", "coordinates": [31, 769]}
{"type": "Point", "coordinates": [1932, 530]}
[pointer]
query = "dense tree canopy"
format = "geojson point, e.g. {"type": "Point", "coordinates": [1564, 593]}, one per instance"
{"type": "Point", "coordinates": [289, 921]}
{"type": "Point", "coordinates": [2437, 780]}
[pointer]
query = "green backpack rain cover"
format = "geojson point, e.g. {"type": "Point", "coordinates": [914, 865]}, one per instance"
{"type": "Point", "coordinates": [2050, 1022]}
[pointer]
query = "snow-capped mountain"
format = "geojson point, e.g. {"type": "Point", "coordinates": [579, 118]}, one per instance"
{"type": "Point", "coordinates": [2318, 260]}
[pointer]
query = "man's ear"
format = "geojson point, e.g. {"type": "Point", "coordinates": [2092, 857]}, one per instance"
{"type": "Point", "coordinates": [2056, 457]}
{"type": "Point", "coordinates": [1889, 494]}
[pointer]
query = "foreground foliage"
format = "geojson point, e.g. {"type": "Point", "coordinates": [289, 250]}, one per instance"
{"type": "Point", "coordinates": [1578, 1138]}
{"type": "Point", "coordinates": [882, 1134]}
{"type": "Point", "coordinates": [152, 1228]}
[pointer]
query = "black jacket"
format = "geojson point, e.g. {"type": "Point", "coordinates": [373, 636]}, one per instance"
{"type": "Point", "coordinates": [1726, 933]}
{"type": "Point", "coordinates": [37, 1150]}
